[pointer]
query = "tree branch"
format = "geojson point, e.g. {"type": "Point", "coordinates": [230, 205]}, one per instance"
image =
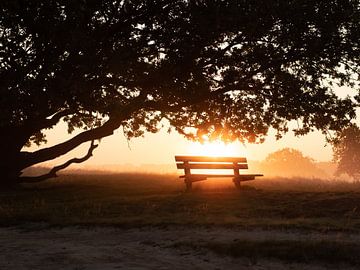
{"type": "Point", "coordinates": [53, 171]}
{"type": "Point", "coordinates": [54, 119]}
{"type": "Point", "coordinates": [107, 129]}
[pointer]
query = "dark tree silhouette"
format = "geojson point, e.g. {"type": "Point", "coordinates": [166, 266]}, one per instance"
{"type": "Point", "coordinates": [228, 69]}
{"type": "Point", "coordinates": [346, 150]}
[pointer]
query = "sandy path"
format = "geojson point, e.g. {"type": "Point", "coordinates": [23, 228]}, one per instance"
{"type": "Point", "coordinates": [142, 248]}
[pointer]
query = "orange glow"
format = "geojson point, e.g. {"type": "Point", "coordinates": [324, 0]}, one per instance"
{"type": "Point", "coordinates": [216, 148]}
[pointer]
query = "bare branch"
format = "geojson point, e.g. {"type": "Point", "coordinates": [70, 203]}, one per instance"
{"type": "Point", "coordinates": [55, 118]}
{"type": "Point", "coordinates": [53, 171]}
{"type": "Point", "coordinates": [107, 129]}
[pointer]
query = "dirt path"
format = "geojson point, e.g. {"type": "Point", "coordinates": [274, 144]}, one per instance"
{"type": "Point", "coordinates": [142, 248]}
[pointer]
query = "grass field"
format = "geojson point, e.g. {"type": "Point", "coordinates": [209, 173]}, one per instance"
{"type": "Point", "coordinates": [134, 200]}
{"type": "Point", "coordinates": [272, 223]}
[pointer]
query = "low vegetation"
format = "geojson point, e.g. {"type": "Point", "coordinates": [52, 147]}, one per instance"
{"type": "Point", "coordinates": [291, 251]}
{"type": "Point", "coordinates": [133, 200]}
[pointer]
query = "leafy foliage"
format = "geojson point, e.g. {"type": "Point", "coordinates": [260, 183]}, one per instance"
{"type": "Point", "coordinates": [347, 152]}
{"type": "Point", "coordinates": [224, 69]}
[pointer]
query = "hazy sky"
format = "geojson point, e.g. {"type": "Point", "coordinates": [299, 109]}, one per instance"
{"type": "Point", "coordinates": [162, 147]}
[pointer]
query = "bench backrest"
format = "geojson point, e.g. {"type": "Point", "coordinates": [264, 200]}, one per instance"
{"type": "Point", "coordinates": [205, 162]}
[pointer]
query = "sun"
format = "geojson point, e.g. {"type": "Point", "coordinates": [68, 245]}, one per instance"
{"type": "Point", "coordinates": [216, 148]}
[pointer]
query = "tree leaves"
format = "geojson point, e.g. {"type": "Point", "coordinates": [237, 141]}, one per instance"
{"type": "Point", "coordinates": [232, 69]}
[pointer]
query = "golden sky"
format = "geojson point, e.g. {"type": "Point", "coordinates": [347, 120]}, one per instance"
{"type": "Point", "coordinates": [160, 148]}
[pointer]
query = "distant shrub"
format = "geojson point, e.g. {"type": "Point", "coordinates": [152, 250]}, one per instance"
{"type": "Point", "coordinates": [290, 162]}
{"type": "Point", "coordinates": [346, 149]}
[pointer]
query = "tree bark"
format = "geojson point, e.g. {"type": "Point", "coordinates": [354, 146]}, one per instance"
{"type": "Point", "coordinates": [11, 142]}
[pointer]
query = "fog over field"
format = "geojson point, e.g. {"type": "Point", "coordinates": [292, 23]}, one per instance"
{"type": "Point", "coordinates": [322, 170]}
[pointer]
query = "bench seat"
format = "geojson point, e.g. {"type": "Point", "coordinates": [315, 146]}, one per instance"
{"type": "Point", "coordinates": [187, 163]}
{"type": "Point", "coordinates": [242, 177]}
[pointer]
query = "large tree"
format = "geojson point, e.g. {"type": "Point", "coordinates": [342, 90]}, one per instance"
{"type": "Point", "coordinates": [221, 68]}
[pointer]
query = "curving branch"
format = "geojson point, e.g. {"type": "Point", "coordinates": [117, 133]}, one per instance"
{"type": "Point", "coordinates": [55, 118]}
{"type": "Point", "coordinates": [114, 122]}
{"type": "Point", "coordinates": [53, 171]}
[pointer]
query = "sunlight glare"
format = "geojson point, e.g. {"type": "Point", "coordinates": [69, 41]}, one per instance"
{"type": "Point", "coordinates": [217, 148]}
{"type": "Point", "coordinates": [214, 149]}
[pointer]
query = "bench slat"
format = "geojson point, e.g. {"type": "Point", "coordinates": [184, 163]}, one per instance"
{"type": "Point", "coordinates": [210, 159]}
{"type": "Point", "coordinates": [220, 175]}
{"type": "Point", "coordinates": [211, 166]}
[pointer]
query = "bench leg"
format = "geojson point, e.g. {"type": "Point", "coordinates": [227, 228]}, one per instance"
{"type": "Point", "coordinates": [237, 183]}
{"type": "Point", "coordinates": [188, 184]}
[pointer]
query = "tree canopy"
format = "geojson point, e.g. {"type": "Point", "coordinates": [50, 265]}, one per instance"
{"type": "Point", "coordinates": [221, 68]}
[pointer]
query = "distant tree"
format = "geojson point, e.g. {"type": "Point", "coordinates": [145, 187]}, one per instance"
{"type": "Point", "coordinates": [290, 162]}
{"type": "Point", "coordinates": [222, 68]}
{"type": "Point", "coordinates": [346, 149]}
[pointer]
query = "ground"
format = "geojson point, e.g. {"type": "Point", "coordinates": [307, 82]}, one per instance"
{"type": "Point", "coordinates": [150, 248]}
{"type": "Point", "coordinates": [147, 222]}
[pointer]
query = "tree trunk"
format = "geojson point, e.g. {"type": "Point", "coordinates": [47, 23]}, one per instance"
{"type": "Point", "coordinates": [12, 140]}
{"type": "Point", "coordinates": [11, 158]}
{"type": "Point", "coordinates": [9, 167]}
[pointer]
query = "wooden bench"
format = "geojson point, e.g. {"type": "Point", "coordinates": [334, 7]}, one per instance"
{"type": "Point", "coordinates": [209, 163]}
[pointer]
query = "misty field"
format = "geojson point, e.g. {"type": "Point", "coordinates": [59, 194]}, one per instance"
{"type": "Point", "coordinates": [282, 221]}
{"type": "Point", "coordinates": [148, 199]}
